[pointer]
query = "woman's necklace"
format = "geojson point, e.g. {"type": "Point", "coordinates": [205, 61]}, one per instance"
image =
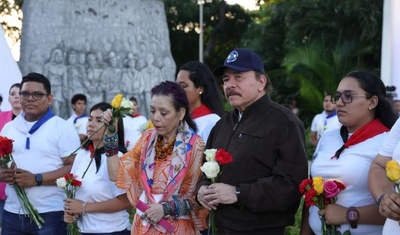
{"type": "Point", "coordinates": [163, 150]}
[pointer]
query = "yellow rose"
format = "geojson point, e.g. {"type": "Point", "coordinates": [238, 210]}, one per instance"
{"type": "Point", "coordinates": [393, 171]}
{"type": "Point", "coordinates": [149, 125]}
{"type": "Point", "coordinates": [116, 102]}
{"type": "Point", "coordinates": [318, 183]}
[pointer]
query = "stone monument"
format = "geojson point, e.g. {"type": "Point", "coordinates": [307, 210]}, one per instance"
{"type": "Point", "coordinates": [98, 48]}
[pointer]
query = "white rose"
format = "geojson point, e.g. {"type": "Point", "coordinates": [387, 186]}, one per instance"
{"type": "Point", "coordinates": [210, 155]}
{"type": "Point", "coordinates": [126, 103]}
{"type": "Point", "coordinates": [61, 182]}
{"type": "Point", "coordinates": [211, 169]}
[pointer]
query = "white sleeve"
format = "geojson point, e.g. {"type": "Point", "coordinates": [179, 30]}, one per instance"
{"type": "Point", "coordinates": [391, 141]}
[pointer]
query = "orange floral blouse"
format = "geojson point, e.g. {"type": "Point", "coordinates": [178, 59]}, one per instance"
{"type": "Point", "coordinates": [134, 168]}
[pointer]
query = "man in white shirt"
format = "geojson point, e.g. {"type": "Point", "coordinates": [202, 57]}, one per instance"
{"type": "Point", "coordinates": [79, 118]}
{"type": "Point", "coordinates": [134, 124]}
{"type": "Point", "coordinates": [42, 144]}
{"type": "Point", "coordinates": [325, 121]}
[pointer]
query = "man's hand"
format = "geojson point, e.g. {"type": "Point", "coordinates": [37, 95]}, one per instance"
{"type": "Point", "coordinates": [24, 178]}
{"type": "Point", "coordinates": [218, 193]}
{"type": "Point", "coordinates": [7, 175]}
{"type": "Point", "coordinates": [202, 197]}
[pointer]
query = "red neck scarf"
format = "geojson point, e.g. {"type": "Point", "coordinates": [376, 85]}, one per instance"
{"type": "Point", "coordinates": [200, 111]}
{"type": "Point", "coordinates": [367, 131]}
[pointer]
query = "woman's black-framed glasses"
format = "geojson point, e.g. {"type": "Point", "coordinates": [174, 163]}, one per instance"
{"type": "Point", "coordinates": [35, 95]}
{"type": "Point", "coordinates": [347, 97]}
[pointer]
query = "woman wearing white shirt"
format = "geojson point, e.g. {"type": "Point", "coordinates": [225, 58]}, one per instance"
{"type": "Point", "coordinates": [204, 97]}
{"type": "Point", "coordinates": [347, 153]}
{"type": "Point", "coordinates": [99, 206]}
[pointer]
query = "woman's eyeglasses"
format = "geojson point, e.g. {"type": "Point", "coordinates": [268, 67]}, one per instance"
{"type": "Point", "coordinates": [35, 95]}
{"type": "Point", "coordinates": [346, 96]}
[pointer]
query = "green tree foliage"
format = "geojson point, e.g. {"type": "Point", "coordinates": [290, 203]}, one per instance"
{"type": "Point", "coordinates": [309, 45]}
{"type": "Point", "coordinates": [223, 27]}
{"type": "Point", "coordinates": [8, 8]}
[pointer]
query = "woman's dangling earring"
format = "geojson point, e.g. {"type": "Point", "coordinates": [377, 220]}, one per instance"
{"type": "Point", "coordinates": [180, 127]}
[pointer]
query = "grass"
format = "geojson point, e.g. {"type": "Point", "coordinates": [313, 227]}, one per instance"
{"type": "Point", "coordinates": [295, 229]}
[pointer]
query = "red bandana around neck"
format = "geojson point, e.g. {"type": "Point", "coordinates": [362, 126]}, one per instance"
{"type": "Point", "coordinates": [367, 131]}
{"type": "Point", "coordinates": [201, 111]}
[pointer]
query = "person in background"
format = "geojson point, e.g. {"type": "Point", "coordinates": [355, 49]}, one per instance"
{"type": "Point", "coordinates": [79, 118]}
{"type": "Point", "coordinates": [396, 106]}
{"type": "Point", "coordinates": [294, 106]}
{"type": "Point", "coordinates": [42, 144]}
{"type": "Point", "coordinates": [204, 97]}
{"type": "Point", "coordinates": [98, 199]}
{"type": "Point", "coordinates": [258, 192]}
{"type": "Point", "coordinates": [161, 172]}
{"type": "Point", "coordinates": [325, 121]}
{"type": "Point", "coordinates": [346, 154]}
{"type": "Point", "coordinates": [133, 124]}
{"type": "Point", "coordinates": [5, 117]}
{"type": "Point", "coordinates": [387, 198]}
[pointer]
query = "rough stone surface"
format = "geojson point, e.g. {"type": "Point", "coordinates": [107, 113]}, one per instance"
{"type": "Point", "coordinates": [97, 47]}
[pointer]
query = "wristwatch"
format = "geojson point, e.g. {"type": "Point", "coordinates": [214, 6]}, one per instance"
{"type": "Point", "coordinates": [237, 191]}
{"type": "Point", "coordinates": [38, 179]}
{"type": "Point", "coordinates": [353, 216]}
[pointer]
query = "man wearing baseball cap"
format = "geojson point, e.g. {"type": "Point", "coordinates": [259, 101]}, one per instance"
{"type": "Point", "coordinates": [257, 193]}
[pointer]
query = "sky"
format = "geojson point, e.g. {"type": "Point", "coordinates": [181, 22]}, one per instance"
{"type": "Point", "coordinates": [247, 4]}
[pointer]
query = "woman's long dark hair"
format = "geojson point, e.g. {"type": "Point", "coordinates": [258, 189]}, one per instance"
{"type": "Point", "coordinates": [103, 106]}
{"type": "Point", "coordinates": [374, 86]}
{"type": "Point", "coordinates": [201, 76]}
{"type": "Point", "coordinates": [179, 99]}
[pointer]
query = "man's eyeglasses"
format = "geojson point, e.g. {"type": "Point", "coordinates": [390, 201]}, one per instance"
{"type": "Point", "coordinates": [35, 95]}
{"type": "Point", "coordinates": [346, 96]}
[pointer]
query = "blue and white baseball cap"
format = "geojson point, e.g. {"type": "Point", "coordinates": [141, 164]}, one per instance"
{"type": "Point", "coordinates": [242, 60]}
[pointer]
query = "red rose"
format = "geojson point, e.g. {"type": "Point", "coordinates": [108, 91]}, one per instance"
{"type": "Point", "coordinates": [6, 146]}
{"type": "Point", "coordinates": [340, 185]}
{"type": "Point", "coordinates": [303, 185]}
{"type": "Point", "coordinates": [223, 157]}
{"type": "Point", "coordinates": [76, 183]}
{"type": "Point", "coordinates": [69, 177]}
{"type": "Point", "coordinates": [309, 197]}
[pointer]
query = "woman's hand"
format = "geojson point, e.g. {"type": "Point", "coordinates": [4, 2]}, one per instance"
{"type": "Point", "coordinates": [107, 117]}
{"type": "Point", "coordinates": [73, 206]}
{"type": "Point", "coordinates": [70, 218]}
{"type": "Point", "coordinates": [155, 213]}
{"type": "Point", "coordinates": [335, 214]}
{"type": "Point", "coordinates": [390, 206]}
{"type": "Point", "coordinates": [72, 210]}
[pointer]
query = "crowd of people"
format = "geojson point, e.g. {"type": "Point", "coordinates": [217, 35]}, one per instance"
{"type": "Point", "coordinates": [162, 171]}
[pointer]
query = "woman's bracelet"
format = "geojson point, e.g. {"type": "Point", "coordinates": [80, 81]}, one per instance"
{"type": "Point", "coordinates": [378, 202]}
{"type": "Point", "coordinates": [176, 207]}
{"type": "Point", "coordinates": [83, 208]}
{"type": "Point", "coordinates": [111, 139]}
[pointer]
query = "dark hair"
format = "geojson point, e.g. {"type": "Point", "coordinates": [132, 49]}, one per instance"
{"type": "Point", "coordinates": [201, 76]}
{"type": "Point", "coordinates": [179, 99]}
{"type": "Point", "coordinates": [374, 86]}
{"type": "Point", "coordinates": [77, 97]}
{"type": "Point", "coordinates": [17, 85]}
{"type": "Point", "coordinates": [103, 106]}
{"type": "Point", "coordinates": [133, 99]}
{"type": "Point", "coordinates": [37, 77]}
{"type": "Point", "coordinates": [268, 88]}
{"type": "Point", "coordinates": [1, 98]}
